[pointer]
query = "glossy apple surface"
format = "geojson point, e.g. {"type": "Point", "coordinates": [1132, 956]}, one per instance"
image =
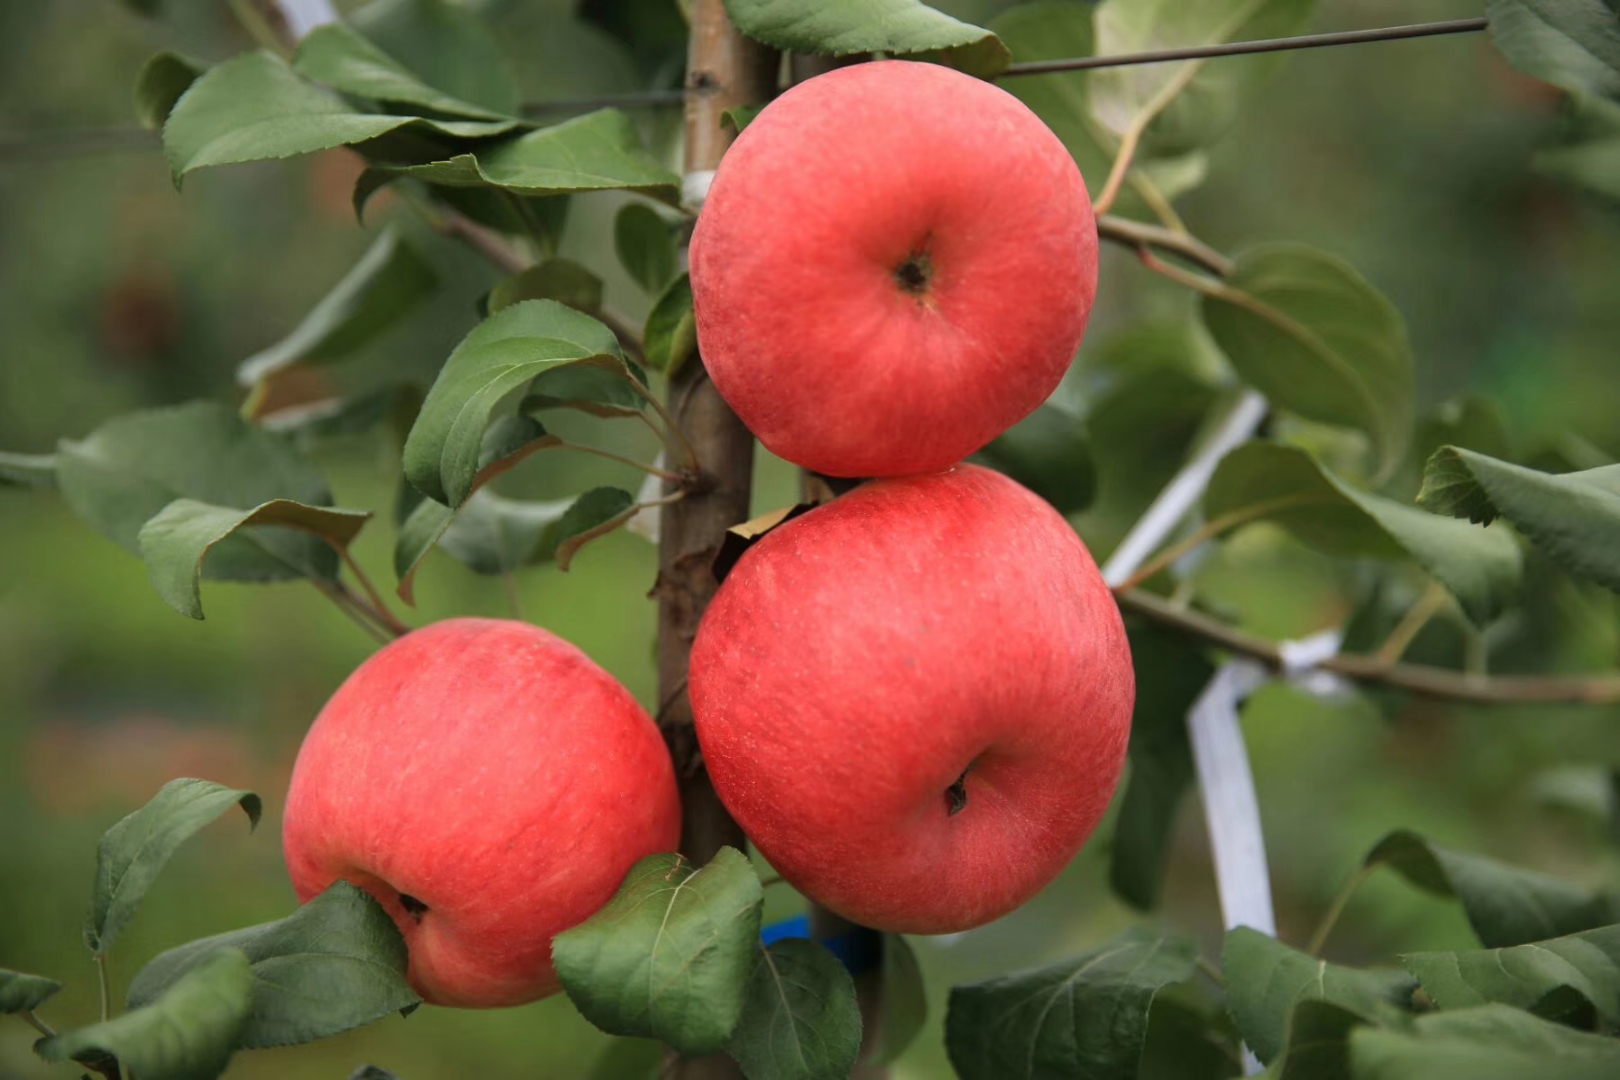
{"type": "Point", "coordinates": [894, 265]}
{"type": "Point", "coordinates": [916, 699]}
{"type": "Point", "coordinates": [490, 786]}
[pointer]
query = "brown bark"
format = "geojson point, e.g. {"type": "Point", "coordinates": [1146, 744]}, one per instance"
{"type": "Point", "coordinates": [724, 70]}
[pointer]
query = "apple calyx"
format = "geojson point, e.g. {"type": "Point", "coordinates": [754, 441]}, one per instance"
{"type": "Point", "coordinates": [413, 907]}
{"type": "Point", "coordinates": [916, 273]}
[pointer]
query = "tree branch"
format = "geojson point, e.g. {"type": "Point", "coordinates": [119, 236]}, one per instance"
{"type": "Point", "coordinates": [724, 70]}
{"type": "Point", "coordinates": [1137, 235]}
{"type": "Point", "coordinates": [1434, 682]}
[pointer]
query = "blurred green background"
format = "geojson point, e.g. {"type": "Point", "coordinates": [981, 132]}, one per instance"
{"type": "Point", "coordinates": [1411, 159]}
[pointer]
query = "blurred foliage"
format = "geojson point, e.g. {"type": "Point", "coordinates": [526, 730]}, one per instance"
{"type": "Point", "coordinates": [1413, 160]}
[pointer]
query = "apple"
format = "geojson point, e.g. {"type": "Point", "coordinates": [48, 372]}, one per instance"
{"type": "Point", "coordinates": [916, 699]}
{"type": "Point", "coordinates": [894, 265]}
{"type": "Point", "coordinates": [491, 787]}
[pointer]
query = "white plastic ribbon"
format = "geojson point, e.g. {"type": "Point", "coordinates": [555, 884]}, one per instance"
{"type": "Point", "coordinates": [305, 15]}
{"type": "Point", "coordinates": [695, 187]}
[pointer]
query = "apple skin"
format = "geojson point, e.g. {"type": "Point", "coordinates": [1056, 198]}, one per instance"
{"type": "Point", "coordinates": [491, 771]}
{"type": "Point", "coordinates": [860, 658]}
{"type": "Point", "coordinates": [815, 214]}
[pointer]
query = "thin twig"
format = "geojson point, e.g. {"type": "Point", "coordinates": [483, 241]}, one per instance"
{"type": "Point", "coordinates": [104, 980]}
{"type": "Point", "coordinates": [1131, 138]}
{"type": "Point", "coordinates": [39, 1025]}
{"type": "Point", "coordinates": [1417, 617]}
{"type": "Point", "coordinates": [653, 470]}
{"type": "Point", "coordinates": [334, 594]}
{"type": "Point", "coordinates": [513, 600]}
{"type": "Point", "coordinates": [482, 239]}
{"type": "Point", "coordinates": [1210, 971]}
{"type": "Point", "coordinates": [1149, 193]}
{"type": "Point", "coordinates": [1213, 528]}
{"type": "Point", "coordinates": [1243, 48]}
{"type": "Point", "coordinates": [670, 425]}
{"type": "Point", "coordinates": [1180, 276]}
{"type": "Point", "coordinates": [377, 607]}
{"type": "Point", "coordinates": [1329, 920]}
{"type": "Point", "coordinates": [1443, 683]}
{"type": "Point", "coordinates": [1139, 234]}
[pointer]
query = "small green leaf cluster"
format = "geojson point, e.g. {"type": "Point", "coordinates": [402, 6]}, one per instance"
{"type": "Point", "coordinates": [676, 955]}
{"type": "Point", "coordinates": [334, 964]}
{"type": "Point", "coordinates": [1539, 998]}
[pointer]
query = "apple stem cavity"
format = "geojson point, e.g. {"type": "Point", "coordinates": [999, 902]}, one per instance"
{"type": "Point", "coordinates": [956, 794]}
{"type": "Point", "coordinates": [413, 907]}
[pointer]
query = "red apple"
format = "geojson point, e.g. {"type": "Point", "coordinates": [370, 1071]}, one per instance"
{"type": "Point", "coordinates": [894, 265]}
{"type": "Point", "coordinates": [916, 699]}
{"type": "Point", "coordinates": [490, 786]}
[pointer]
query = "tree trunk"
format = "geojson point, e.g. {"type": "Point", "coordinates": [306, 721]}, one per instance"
{"type": "Point", "coordinates": [724, 70]}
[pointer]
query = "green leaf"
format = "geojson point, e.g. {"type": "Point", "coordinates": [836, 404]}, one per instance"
{"type": "Point", "coordinates": [670, 337]}
{"type": "Point", "coordinates": [597, 391]}
{"type": "Point", "coordinates": [133, 466]}
{"type": "Point", "coordinates": [1573, 517]}
{"type": "Point", "coordinates": [1317, 1044]}
{"type": "Point", "coordinates": [254, 108]}
{"type": "Point", "coordinates": [1570, 43]}
{"type": "Point", "coordinates": [1082, 1017]}
{"type": "Point", "coordinates": [1590, 155]}
{"type": "Point", "coordinates": [419, 534]}
{"type": "Point", "coordinates": [28, 470]}
{"type": "Point", "coordinates": [1188, 1038]}
{"type": "Point", "coordinates": [177, 540]}
{"type": "Point", "coordinates": [1578, 974]}
{"type": "Point", "coordinates": [336, 55]}
{"type": "Point", "coordinates": [1287, 485]}
{"type": "Point", "coordinates": [1489, 1043]}
{"type": "Point", "coordinates": [1171, 671]}
{"type": "Point", "coordinates": [905, 1002]}
{"type": "Point", "coordinates": [502, 355]}
{"type": "Point", "coordinates": [595, 513]}
{"type": "Point", "coordinates": [334, 964]}
{"type": "Point", "coordinates": [1213, 94]}
{"type": "Point", "coordinates": [562, 280]}
{"type": "Point", "coordinates": [1053, 30]}
{"type": "Point", "coordinates": [161, 82]}
{"type": "Point", "coordinates": [447, 44]}
{"type": "Point", "coordinates": [595, 152]}
{"type": "Point", "coordinates": [843, 27]}
{"type": "Point", "coordinates": [133, 852]}
{"type": "Point", "coordinates": [740, 117]}
{"type": "Point", "coordinates": [1266, 978]}
{"type": "Point", "coordinates": [800, 1020]}
{"type": "Point", "coordinates": [1505, 904]}
{"type": "Point", "coordinates": [646, 246]}
{"type": "Point", "coordinates": [669, 956]}
{"type": "Point", "coordinates": [371, 1072]}
{"type": "Point", "coordinates": [385, 286]}
{"type": "Point", "coordinates": [187, 1034]}
{"type": "Point", "coordinates": [1047, 452]}
{"type": "Point", "coordinates": [1306, 330]}
{"type": "Point", "coordinates": [495, 535]}
{"type": "Point", "coordinates": [21, 992]}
